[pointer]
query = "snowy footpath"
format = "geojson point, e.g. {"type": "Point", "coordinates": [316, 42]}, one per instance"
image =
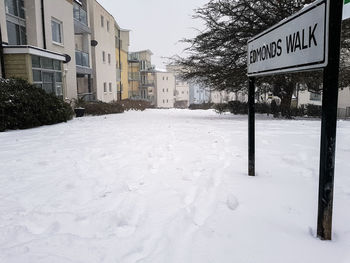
{"type": "Point", "coordinates": [169, 186]}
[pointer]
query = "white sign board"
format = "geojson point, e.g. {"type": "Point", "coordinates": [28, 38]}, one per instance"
{"type": "Point", "coordinates": [346, 9]}
{"type": "Point", "coordinates": [297, 43]}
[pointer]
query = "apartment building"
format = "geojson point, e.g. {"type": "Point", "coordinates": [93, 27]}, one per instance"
{"type": "Point", "coordinates": [182, 94]}
{"type": "Point", "coordinates": [199, 94]}
{"type": "Point", "coordinates": [82, 39]}
{"type": "Point", "coordinates": [103, 53]}
{"type": "Point", "coordinates": [141, 80]}
{"type": "Point", "coordinates": [182, 89]}
{"type": "Point", "coordinates": [304, 97]}
{"type": "Point", "coordinates": [122, 42]}
{"type": "Point", "coordinates": [38, 44]}
{"type": "Point", "coordinates": [165, 89]}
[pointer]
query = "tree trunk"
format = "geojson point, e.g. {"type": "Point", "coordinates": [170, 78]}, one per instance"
{"type": "Point", "coordinates": [286, 99]}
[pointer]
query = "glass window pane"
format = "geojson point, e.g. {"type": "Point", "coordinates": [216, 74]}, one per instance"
{"type": "Point", "coordinates": [37, 76]}
{"type": "Point", "coordinates": [23, 40]}
{"type": "Point", "coordinates": [47, 77]}
{"type": "Point", "coordinates": [11, 7]}
{"type": "Point", "coordinates": [21, 9]}
{"type": "Point", "coordinates": [47, 63]}
{"type": "Point", "coordinates": [13, 33]}
{"type": "Point", "coordinates": [76, 11]}
{"type": "Point", "coordinates": [56, 32]}
{"type": "Point", "coordinates": [35, 62]}
{"type": "Point", "coordinates": [58, 76]}
{"type": "Point", "coordinates": [57, 64]}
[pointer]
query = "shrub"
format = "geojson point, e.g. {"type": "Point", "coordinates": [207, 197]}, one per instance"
{"type": "Point", "coordinates": [23, 106]}
{"type": "Point", "coordinates": [263, 108]}
{"type": "Point", "coordinates": [102, 108]}
{"type": "Point", "coordinates": [237, 107]}
{"type": "Point", "coordinates": [202, 106]}
{"type": "Point", "coordinates": [220, 107]}
{"type": "Point", "coordinates": [313, 110]}
{"type": "Point", "coordinates": [138, 105]}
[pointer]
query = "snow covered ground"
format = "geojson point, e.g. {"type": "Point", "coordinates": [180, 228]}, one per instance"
{"type": "Point", "coordinates": [168, 186]}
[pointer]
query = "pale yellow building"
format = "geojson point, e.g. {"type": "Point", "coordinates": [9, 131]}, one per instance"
{"type": "Point", "coordinates": [141, 80]}
{"type": "Point", "coordinates": [122, 50]}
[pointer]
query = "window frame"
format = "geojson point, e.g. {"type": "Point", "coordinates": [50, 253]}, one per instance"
{"type": "Point", "coordinates": [60, 24]}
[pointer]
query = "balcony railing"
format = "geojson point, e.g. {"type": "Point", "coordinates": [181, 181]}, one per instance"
{"type": "Point", "coordinates": [147, 83]}
{"type": "Point", "coordinates": [80, 14]}
{"type": "Point", "coordinates": [133, 57]}
{"type": "Point", "coordinates": [82, 58]}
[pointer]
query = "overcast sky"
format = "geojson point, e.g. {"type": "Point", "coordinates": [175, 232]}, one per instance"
{"type": "Point", "coordinates": [157, 25]}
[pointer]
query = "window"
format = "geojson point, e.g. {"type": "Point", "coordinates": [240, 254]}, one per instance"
{"type": "Point", "coordinates": [108, 26]}
{"type": "Point", "coordinates": [163, 78]}
{"type": "Point", "coordinates": [47, 74]}
{"type": "Point", "coordinates": [15, 8]}
{"type": "Point", "coordinates": [163, 90]}
{"type": "Point", "coordinates": [166, 78]}
{"type": "Point", "coordinates": [16, 34]}
{"type": "Point", "coordinates": [103, 56]}
{"type": "Point", "coordinates": [110, 87]}
{"type": "Point", "coordinates": [109, 58]}
{"type": "Point", "coordinates": [167, 101]}
{"type": "Point", "coordinates": [163, 101]}
{"type": "Point", "coordinates": [102, 21]}
{"type": "Point", "coordinates": [104, 87]}
{"type": "Point", "coordinates": [315, 96]}
{"type": "Point", "coordinates": [167, 90]}
{"type": "Point", "coordinates": [15, 22]}
{"type": "Point", "coordinates": [56, 27]}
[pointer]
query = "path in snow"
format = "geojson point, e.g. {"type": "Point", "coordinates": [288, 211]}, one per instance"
{"type": "Point", "coordinates": [168, 186]}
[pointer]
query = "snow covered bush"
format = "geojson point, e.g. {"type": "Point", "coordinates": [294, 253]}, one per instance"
{"type": "Point", "coordinates": [137, 105]}
{"type": "Point", "coordinates": [237, 107]}
{"type": "Point", "coordinates": [22, 106]}
{"type": "Point", "coordinates": [220, 107]}
{"type": "Point", "coordinates": [202, 106]}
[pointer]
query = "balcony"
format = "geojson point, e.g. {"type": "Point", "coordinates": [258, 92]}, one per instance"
{"type": "Point", "coordinates": [80, 20]}
{"type": "Point", "coordinates": [80, 14]}
{"type": "Point", "coordinates": [133, 57]}
{"type": "Point", "coordinates": [82, 59]}
{"type": "Point", "coordinates": [147, 83]}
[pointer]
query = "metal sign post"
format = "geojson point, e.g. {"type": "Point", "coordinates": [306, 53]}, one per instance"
{"type": "Point", "coordinates": [329, 124]}
{"type": "Point", "coordinates": [251, 127]}
{"type": "Point", "coordinates": [308, 40]}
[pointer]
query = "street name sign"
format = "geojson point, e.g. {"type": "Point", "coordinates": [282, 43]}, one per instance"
{"type": "Point", "coordinates": [346, 9]}
{"type": "Point", "coordinates": [297, 43]}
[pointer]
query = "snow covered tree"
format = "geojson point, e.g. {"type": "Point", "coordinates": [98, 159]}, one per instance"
{"type": "Point", "coordinates": [217, 56]}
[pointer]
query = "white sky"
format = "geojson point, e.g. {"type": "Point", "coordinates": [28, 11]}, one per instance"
{"type": "Point", "coordinates": [157, 25]}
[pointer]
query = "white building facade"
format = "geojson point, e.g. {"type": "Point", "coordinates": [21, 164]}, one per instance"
{"type": "Point", "coordinates": [165, 89]}
{"type": "Point", "coordinates": [182, 94]}
{"type": "Point", "coordinates": [104, 53]}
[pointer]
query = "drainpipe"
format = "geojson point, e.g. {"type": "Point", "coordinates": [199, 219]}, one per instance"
{"type": "Point", "coordinates": [2, 56]}
{"type": "Point", "coordinates": [43, 22]}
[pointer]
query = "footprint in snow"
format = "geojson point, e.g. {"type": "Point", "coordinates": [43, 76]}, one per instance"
{"type": "Point", "coordinates": [232, 202]}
